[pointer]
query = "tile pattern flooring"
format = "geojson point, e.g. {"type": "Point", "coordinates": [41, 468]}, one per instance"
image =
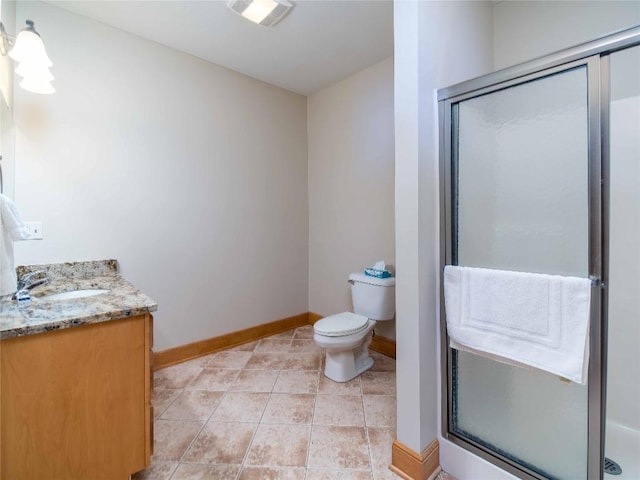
{"type": "Point", "coordinates": [264, 410]}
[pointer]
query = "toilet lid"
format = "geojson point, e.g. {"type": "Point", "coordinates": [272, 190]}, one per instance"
{"type": "Point", "coordinates": [341, 324]}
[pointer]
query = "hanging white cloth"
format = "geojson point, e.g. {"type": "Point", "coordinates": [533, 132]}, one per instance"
{"type": "Point", "coordinates": [524, 319]}
{"type": "Point", "coordinates": [12, 229]}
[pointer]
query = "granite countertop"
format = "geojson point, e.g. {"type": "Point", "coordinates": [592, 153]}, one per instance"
{"type": "Point", "coordinates": [38, 315]}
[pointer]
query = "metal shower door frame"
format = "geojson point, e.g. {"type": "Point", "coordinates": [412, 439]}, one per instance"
{"type": "Point", "coordinates": [595, 57]}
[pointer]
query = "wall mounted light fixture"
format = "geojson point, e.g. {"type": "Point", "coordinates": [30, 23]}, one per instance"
{"type": "Point", "coordinates": [28, 51]}
{"type": "Point", "coordinates": [262, 12]}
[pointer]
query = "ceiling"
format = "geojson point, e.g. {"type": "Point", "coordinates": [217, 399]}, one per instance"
{"type": "Point", "coordinates": [317, 44]}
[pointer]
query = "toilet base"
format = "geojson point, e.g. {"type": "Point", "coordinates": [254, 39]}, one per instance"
{"type": "Point", "coordinates": [342, 366]}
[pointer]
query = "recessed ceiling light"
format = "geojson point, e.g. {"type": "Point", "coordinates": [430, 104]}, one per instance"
{"type": "Point", "coordinates": [262, 12]}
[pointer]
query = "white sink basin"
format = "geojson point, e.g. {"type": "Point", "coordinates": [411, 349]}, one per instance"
{"type": "Point", "coordinates": [74, 294]}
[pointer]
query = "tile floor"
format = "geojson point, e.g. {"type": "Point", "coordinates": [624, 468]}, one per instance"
{"type": "Point", "coordinates": [264, 410]}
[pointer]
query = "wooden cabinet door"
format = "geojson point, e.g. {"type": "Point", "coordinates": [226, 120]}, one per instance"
{"type": "Point", "coordinates": [76, 402]}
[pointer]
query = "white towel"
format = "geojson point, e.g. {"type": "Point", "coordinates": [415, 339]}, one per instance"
{"type": "Point", "coordinates": [524, 319]}
{"type": "Point", "coordinates": [11, 229]}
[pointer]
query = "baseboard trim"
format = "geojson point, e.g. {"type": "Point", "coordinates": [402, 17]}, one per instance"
{"type": "Point", "coordinates": [172, 356]}
{"type": "Point", "coordinates": [314, 317]}
{"type": "Point", "coordinates": [411, 465]}
{"type": "Point", "coordinates": [182, 353]}
{"type": "Point", "coordinates": [383, 345]}
{"type": "Point", "coordinates": [379, 344]}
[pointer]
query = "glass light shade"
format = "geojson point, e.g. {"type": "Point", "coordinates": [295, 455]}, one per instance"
{"type": "Point", "coordinates": [37, 86]}
{"type": "Point", "coordinates": [259, 10]}
{"type": "Point", "coordinates": [29, 48]}
{"type": "Point", "coordinates": [35, 72]}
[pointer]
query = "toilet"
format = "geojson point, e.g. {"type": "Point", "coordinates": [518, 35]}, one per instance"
{"type": "Point", "coordinates": [346, 336]}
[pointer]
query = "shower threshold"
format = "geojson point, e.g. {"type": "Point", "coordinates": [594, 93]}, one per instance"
{"type": "Point", "coordinates": [622, 445]}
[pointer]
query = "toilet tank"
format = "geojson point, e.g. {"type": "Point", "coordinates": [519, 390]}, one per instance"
{"type": "Point", "coordinates": [373, 297]}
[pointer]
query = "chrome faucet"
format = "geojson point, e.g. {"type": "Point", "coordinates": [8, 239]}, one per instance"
{"type": "Point", "coordinates": [29, 281]}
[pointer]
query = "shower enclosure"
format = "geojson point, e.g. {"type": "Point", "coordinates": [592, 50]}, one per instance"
{"type": "Point", "coordinates": [540, 172]}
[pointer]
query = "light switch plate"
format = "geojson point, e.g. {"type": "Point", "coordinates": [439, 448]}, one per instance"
{"type": "Point", "coordinates": [35, 229]}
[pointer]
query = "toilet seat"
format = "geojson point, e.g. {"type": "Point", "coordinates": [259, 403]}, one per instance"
{"type": "Point", "coordinates": [341, 324]}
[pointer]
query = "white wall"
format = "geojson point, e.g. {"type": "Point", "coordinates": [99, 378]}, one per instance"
{"type": "Point", "coordinates": [194, 177]}
{"type": "Point", "coordinates": [623, 370]}
{"type": "Point", "coordinates": [436, 44]}
{"type": "Point", "coordinates": [351, 185]}
{"type": "Point", "coordinates": [525, 30]}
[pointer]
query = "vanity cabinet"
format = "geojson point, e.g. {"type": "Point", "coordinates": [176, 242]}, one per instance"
{"type": "Point", "coordinates": [76, 402]}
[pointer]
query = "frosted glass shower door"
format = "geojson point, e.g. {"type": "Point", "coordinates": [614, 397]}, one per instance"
{"type": "Point", "coordinates": [520, 201]}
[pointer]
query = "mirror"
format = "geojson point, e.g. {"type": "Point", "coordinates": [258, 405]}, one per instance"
{"type": "Point", "coordinates": [7, 143]}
